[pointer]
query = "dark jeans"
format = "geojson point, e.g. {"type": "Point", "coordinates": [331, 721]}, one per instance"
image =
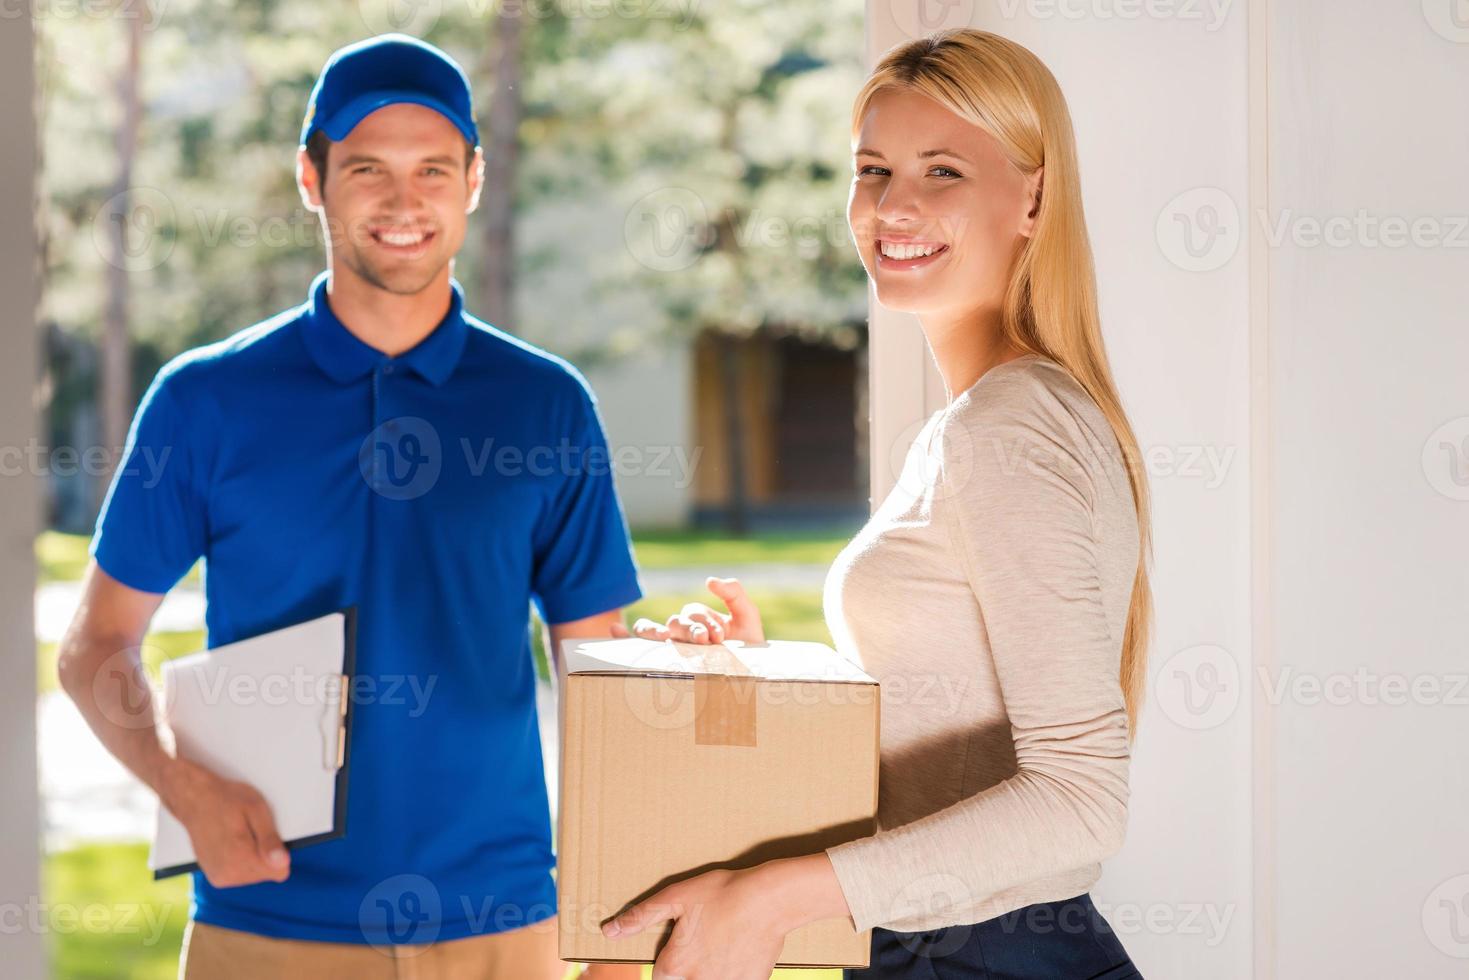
{"type": "Point", "coordinates": [1067, 940]}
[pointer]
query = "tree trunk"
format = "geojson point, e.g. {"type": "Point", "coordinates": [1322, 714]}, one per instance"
{"type": "Point", "coordinates": [497, 200]}
{"type": "Point", "coordinates": [115, 398]}
{"type": "Point", "coordinates": [737, 513]}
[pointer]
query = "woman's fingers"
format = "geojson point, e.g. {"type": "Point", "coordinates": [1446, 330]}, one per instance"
{"type": "Point", "coordinates": [657, 908]}
{"type": "Point", "coordinates": [683, 628]}
{"type": "Point", "coordinates": [649, 629]}
{"type": "Point", "coordinates": [713, 623]}
{"type": "Point", "coordinates": [695, 623]}
{"type": "Point", "coordinates": [698, 614]}
{"type": "Point", "coordinates": [744, 616]}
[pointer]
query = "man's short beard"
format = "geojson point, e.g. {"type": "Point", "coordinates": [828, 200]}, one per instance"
{"type": "Point", "coordinates": [368, 274]}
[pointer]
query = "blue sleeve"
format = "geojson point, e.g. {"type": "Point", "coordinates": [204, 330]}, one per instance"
{"type": "Point", "coordinates": [583, 556]}
{"type": "Point", "coordinates": [151, 528]}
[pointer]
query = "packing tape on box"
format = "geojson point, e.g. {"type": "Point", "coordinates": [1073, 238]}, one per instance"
{"type": "Point", "coordinates": [724, 702]}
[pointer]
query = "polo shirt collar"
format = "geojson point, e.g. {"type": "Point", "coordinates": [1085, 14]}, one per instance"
{"type": "Point", "coordinates": [343, 357]}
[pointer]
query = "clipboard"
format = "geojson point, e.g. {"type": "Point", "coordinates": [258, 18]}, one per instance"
{"type": "Point", "coordinates": [274, 711]}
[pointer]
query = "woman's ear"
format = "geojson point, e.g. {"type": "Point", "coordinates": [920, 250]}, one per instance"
{"type": "Point", "coordinates": [1034, 185]}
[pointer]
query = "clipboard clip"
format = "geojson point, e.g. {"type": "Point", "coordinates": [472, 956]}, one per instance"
{"type": "Point", "coordinates": [334, 723]}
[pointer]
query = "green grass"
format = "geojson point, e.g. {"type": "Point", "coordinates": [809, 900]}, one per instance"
{"type": "Point", "coordinates": [713, 550]}
{"type": "Point", "coordinates": [157, 647]}
{"type": "Point", "coordinates": [107, 919]}
{"type": "Point", "coordinates": [62, 557]}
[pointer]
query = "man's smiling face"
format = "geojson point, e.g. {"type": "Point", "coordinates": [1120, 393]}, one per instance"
{"type": "Point", "coordinates": [396, 196]}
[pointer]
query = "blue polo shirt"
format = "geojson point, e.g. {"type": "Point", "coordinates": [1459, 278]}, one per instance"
{"type": "Point", "coordinates": [442, 492]}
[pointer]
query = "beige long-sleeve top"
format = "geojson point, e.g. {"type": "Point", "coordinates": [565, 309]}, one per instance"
{"type": "Point", "coordinates": [988, 594]}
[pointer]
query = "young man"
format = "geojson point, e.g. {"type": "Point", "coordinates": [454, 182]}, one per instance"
{"type": "Point", "coordinates": [375, 447]}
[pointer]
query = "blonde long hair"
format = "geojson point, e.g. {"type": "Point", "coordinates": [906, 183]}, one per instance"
{"type": "Point", "coordinates": [1050, 306]}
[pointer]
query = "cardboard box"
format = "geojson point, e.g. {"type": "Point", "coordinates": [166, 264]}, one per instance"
{"type": "Point", "coordinates": [679, 758]}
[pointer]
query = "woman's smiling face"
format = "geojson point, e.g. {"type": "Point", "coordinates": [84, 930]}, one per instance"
{"type": "Point", "coordinates": [936, 209]}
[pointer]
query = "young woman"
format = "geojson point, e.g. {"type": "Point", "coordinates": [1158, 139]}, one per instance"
{"type": "Point", "coordinates": [1006, 569]}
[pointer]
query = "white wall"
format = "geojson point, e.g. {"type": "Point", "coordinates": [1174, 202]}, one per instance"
{"type": "Point", "coordinates": [645, 388]}
{"type": "Point", "coordinates": [647, 404]}
{"type": "Point", "coordinates": [1307, 418]}
{"type": "Point", "coordinates": [20, 943]}
{"type": "Point", "coordinates": [1369, 546]}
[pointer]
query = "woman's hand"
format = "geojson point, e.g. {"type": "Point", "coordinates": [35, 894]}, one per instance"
{"type": "Point", "coordinates": [698, 623]}
{"type": "Point", "coordinates": [723, 927]}
{"type": "Point", "coordinates": [731, 925]}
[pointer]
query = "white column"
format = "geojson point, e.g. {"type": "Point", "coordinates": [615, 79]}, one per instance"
{"type": "Point", "coordinates": [21, 946]}
{"type": "Point", "coordinates": [1369, 531]}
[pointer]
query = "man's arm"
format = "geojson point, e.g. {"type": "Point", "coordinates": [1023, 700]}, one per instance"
{"type": "Point", "coordinates": [598, 627]}
{"type": "Point", "coordinates": [595, 627]}
{"type": "Point", "coordinates": [100, 668]}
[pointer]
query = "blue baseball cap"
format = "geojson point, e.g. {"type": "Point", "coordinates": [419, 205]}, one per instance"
{"type": "Point", "coordinates": [383, 70]}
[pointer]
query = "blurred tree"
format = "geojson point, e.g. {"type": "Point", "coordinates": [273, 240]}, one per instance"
{"type": "Point", "coordinates": [654, 171]}
{"type": "Point", "coordinates": [500, 138]}
{"type": "Point", "coordinates": [116, 387]}
{"type": "Point", "coordinates": [713, 150]}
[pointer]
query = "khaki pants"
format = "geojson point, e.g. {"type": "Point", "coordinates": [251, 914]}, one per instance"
{"type": "Point", "coordinates": [527, 953]}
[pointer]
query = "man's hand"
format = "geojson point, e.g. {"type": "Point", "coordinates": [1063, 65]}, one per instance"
{"type": "Point", "coordinates": [229, 824]}
{"type": "Point", "coordinates": [99, 667]}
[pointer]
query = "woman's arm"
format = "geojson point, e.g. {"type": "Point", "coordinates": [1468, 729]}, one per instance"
{"type": "Point", "coordinates": [1023, 471]}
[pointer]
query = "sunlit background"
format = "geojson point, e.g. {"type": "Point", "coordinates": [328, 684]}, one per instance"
{"type": "Point", "coordinates": [665, 206]}
{"type": "Point", "coordinates": [1275, 196]}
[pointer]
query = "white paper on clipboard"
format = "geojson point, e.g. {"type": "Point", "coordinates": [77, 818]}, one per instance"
{"type": "Point", "coordinates": [271, 711]}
